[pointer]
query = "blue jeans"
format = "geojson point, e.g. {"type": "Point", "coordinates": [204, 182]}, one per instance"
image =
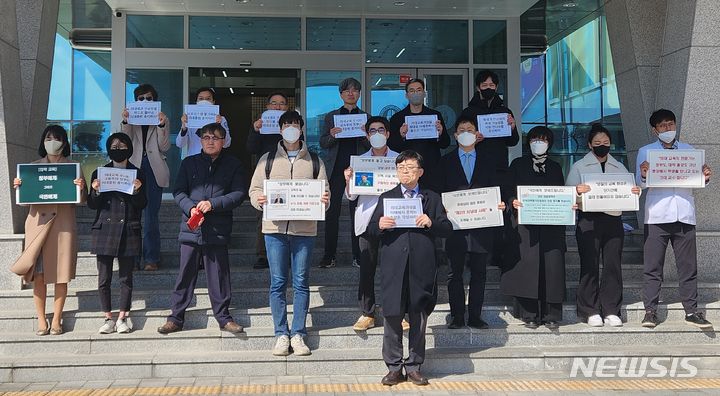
{"type": "Point", "coordinates": [286, 253]}
{"type": "Point", "coordinates": [151, 239]}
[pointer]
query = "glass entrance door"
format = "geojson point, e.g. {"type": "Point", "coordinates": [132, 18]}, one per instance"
{"type": "Point", "coordinates": [387, 90]}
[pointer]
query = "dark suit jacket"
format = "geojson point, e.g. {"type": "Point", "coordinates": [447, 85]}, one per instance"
{"type": "Point", "coordinates": [479, 240]}
{"type": "Point", "coordinates": [412, 249]}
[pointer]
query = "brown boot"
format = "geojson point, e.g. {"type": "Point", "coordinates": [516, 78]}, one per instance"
{"type": "Point", "coordinates": [168, 327]}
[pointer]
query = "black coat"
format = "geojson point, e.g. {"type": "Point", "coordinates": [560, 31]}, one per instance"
{"type": "Point", "coordinates": [410, 248]}
{"type": "Point", "coordinates": [259, 144]}
{"type": "Point", "coordinates": [116, 230]}
{"type": "Point", "coordinates": [527, 245]}
{"type": "Point", "coordinates": [479, 240]}
{"type": "Point", "coordinates": [223, 183]}
{"type": "Point", "coordinates": [495, 148]}
{"type": "Point", "coordinates": [428, 148]}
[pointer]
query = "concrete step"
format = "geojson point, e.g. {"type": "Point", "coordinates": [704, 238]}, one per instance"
{"type": "Point", "coordinates": [25, 321]}
{"type": "Point", "coordinates": [263, 338]}
{"type": "Point", "coordinates": [333, 295]}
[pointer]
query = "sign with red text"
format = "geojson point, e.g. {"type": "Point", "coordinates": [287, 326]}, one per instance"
{"type": "Point", "coordinates": [676, 168]}
{"type": "Point", "coordinates": [476, 208]}
{"type": "Point", "coordinates": [299, 199]}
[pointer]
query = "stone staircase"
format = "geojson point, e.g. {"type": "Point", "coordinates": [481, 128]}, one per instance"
{"type": "Point", "coordinates": [203, 350]}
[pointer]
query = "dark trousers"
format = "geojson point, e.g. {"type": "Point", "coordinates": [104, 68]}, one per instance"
{"type": "Point", "coordinates": [599, 237]}
{"type": "Point", "coordinates": [151, 215]}
{"type": "Point", "coordinates": [217, 271]}
{"type": "Point", "coordinates": [532, 309]}
{"type": "Point", "coordinates": [682, 238]}
{"type": "Point", "coordinates": [456, 290]}
{"type": "Point", "coordinates": [125, 273]}
{"type": "Point", "coordinates": [260, 240]}
{"type": "Point", "coordinates": [332, 217]}
{"type": "Point", "coordinates": [368, 265]}
{"type": "Point", "coordinates": [392, 349]}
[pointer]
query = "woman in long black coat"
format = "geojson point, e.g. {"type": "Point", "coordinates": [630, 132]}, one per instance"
{"type": "Point", "coordinates": [534, 271]}
{"type": "Point", "coordinates": [116, 232]}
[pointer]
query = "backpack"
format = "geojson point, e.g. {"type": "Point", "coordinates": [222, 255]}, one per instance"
{"type": "Point", "coordinates": [271, 158]}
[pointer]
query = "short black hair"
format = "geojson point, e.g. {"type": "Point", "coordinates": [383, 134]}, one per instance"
{"type": "Point", "coordinates": [375, 119]}
{"type": "Point", "coordinates": [205, 89]}
{"type": "Point", "coordinates": [541, 131]}
{"type": "Point", "coordinates": [466, 119]}
{"type": "Point", "coordinates": [484, 75]}
{"type": "Point", "coordinates": [415, 80]}
{"type": "Point", "coordinates": [143, 89]}
{"type": "Point", "coordinates": [661, 115]}
{"type": "Point", "coordinates": [212, 128]}
{"type": "Point", "coordinates": [409, 155]}
{"type": "Point", "coordinates": [349, 83]}
{"type": "Point", "coordinates": [58, 132]}
{"type": "Point", "coordinates": [596, 129]}
{"type": "Point", "coordinates": [122, 138]}
{"type": "Point", "coordinates": [290, 117]}
{"type": "Point", "coordinates": [277, 93]}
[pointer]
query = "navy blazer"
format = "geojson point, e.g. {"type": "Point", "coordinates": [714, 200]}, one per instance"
{"type": "Point", "coordinates": [479, 240]}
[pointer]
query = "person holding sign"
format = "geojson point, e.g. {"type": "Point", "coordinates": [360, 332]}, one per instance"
{"type": "Point", "coordinates": [338, 152]}
{"type": "Point", "coordinates": [669, 217]}
{"type": "Point", "coordinates": [534, 270]}
{"type": "Point", "coordinates": [258, 144]}
{"type": "Point", "coordinates": [116, 232]}
{"type": "Point", "coordinates": [408, 269]}
{"type": "Point", "coordinates": [598, 234]}
{"type": "Point", "coordinates": [209, 185]}
{"type": "Point", "coordinates": [187, 137]}
{"type": "Point", "coordinates": [378, 131]}
{"type": "Point", "coordinates": [50, 254]}
{"type": "Point", "coordinates": [463, 170]}
{"type": "Point", "coordinates": [289, 242]}
{"type": "Point", "coordinates": [150, 143]}
{"type": "Point", "coordinates": [428, 148]}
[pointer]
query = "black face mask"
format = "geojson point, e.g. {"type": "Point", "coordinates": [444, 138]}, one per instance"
{"type": "Point", "coordinates": [601, 151]}
{"type": "Point", "coordinates": [487, 93]}
{"type": "Point", "coordinates": [119, 155]}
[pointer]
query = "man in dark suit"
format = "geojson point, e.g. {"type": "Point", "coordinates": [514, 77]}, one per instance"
{"type": "Point", "coordinates": [463, 170]}
{"type": "Point", "coordinates": [408, 269]}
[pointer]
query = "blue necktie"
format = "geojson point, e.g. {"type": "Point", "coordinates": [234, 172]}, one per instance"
{"type": "Point", "coordinates": [467, 167]}
{"type": "Point", "coordinates": [409, 193]}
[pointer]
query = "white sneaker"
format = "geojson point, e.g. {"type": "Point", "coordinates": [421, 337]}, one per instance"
{"type": "Point", "coordinates": [595, 321]}
{"type": "Point", "coordinates": [282, 346]}
{"type": "Point", "coordinates": [108, 327]}
{"type": "Point", "coordinates": [298, 346]}
{"type": "Point", "coordinates": [613, 320]}
{"type": "Point", "coordinates": [124, 325]}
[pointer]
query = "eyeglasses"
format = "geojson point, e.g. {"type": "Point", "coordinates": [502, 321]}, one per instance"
{"type": "Point", "coordinates": [419, 90]}
{"type": "Point", "coordinates": [373, 131]}
{"type": "Point", "coordinates": [350, 91]}
{"type": "Point", "coordinates": [403, 168]}
{"type": "Point", "coordinates": [211, 138]}
{"type": "Point", "coordinates": [148, 98]}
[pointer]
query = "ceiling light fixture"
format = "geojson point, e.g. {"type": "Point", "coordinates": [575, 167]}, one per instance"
{"type": "Point", "coordinates": [399, 3]}
{"type": "Point", "coordinates": [378, 81]}
{"type": "Point", "coordinates": [213, 47]}
{"type": "Point", "coordinates": [400, 53]}
{"type": "Point", "coordinates": [224, 74]}
{"type": "Point", "coordinates": [247, 70]}
{"type": "Point", "coordinates": [232, 91]}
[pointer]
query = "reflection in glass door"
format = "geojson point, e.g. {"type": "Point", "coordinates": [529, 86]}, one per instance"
{"type": "Point", "coordinates": [387, 90]}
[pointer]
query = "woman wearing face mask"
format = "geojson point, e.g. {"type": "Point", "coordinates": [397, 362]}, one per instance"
{"type": "Point", "coordinates": [50, 254]}
{"type": "Point", "coordinates": [187, 137]}
{"type": "Point", "coordinates": [378, 131]}
{"type": "Point", "coordinates": [116, 233]}
{"type": "Point", "coordinates": [598, 234]}
{"type": "Point", "coordinates": [289, 244]}
{"type": "Point", "coordinates": [534, 270]}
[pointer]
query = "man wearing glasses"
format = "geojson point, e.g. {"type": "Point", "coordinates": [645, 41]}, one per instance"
{"type": "Point", "coordinates": [210, 184]}
{"type": "Point", "coordinates": [337, 159]}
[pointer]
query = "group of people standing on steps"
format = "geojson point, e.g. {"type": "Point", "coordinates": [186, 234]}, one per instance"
{"type": "Point", "coordinates": [211, 183]}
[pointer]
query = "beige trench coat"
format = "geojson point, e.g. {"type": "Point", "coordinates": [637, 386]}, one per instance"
{"type": "Point", "coordinates": [50, 230]}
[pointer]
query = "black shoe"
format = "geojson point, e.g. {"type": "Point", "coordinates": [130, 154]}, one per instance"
{"type": "Point", "coordinates": [393, 378]}
{"type": "Point", "coordinates": [552, 325]}
{"type": "Point", "coordinates": [456, 324]}
{"type": "Point", "coordinates": [417, 378]}
{"type": "Point", "coordinates": [478, 324]}
{"type": "Point", "coordinates": [327, 262]}
{"type": "Point", "coordinates": [531, 324]}
{"type": "Point", "coordinates": [261, 263]}
{"type": "Point", "coordinates": [650, 320]}
{"type": "Point", "coordinates": [698, 319]}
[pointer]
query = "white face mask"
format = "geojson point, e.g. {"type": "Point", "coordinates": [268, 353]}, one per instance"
{"type": "Point", "coordinates": [538, 147]}
{"type": "Point", "coordinates": [466, 139]}
{"type": "Point", "coordinates": [378, 141]}
{"type": "Point", "coordinates": [53, 147]}
{"type": "Point", "coordinates": [667, 136]}
{"type": "Point", "coordinates": [204, 102]}
{"type": "Point", "coordinates": [291, 134]}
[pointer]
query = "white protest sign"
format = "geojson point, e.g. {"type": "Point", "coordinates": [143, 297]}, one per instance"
{"type": "Point", "coordinates": [372, 175]}
{"type": "Point", "coordinates": [298, 199]}
{"type": "Point", "coordinates": [421, 127]}
{"type": "Point", "coordinates": [676, 168]}
{"type": "Point", "coordinates": [476, 208]}
{"type": "Point", "coordinates": [200, 115]}
{"type": "Point", "coordinates": [270, 122]}
{"type": "Point", "coordinates": [351, 125]}
{"type": "Point", "coordinates": [494, 125]}
{"type": "Point", "coordinates": [116, 179]}
{"type": "Point", "coordinates": [404, 210]}
{"type": "Point", "coordinates": [609, 192]}
{"type": "Point", "coordinates": [143, 112]}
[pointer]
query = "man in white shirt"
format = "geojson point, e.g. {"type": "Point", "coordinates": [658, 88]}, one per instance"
{"type": "Point", "coordinates": [187, 137]}
{"type": "Point", "coordinates": [378, 131]}
{"type": "Point", "coordinates": [669, 217]}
